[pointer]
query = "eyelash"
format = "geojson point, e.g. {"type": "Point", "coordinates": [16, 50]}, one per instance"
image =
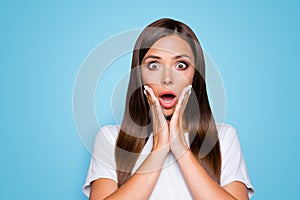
{"type": "Point", "coordinates": [183, 62]}
{"type": "Point", "coordinates": [150, 63]}
{"type": "Point", "coordinates": [180, 62]}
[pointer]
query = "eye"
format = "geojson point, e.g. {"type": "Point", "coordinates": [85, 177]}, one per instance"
{"type": "Point", "coordinates": [153, 66]}
{"type": "Point", "coordinates": [181, 65]}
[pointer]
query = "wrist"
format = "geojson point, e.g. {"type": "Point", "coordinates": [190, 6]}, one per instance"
{"type": "Point", "coordinates": [178, 144]}
{"type": "Point", "coordinates": [178, 149]}
{"type": "Point", "coordinates": [154, 161]}
{"type": "Point", "coordinates": [162, 150]}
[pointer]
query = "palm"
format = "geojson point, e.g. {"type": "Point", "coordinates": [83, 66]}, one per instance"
{"type": "Point", "coordinates": [177, 141]}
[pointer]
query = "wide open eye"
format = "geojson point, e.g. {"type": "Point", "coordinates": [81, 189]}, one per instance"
{"type": "Point", "coordinates": [153, 66]}
{"type": "Point", "coordinates": [181, 65]}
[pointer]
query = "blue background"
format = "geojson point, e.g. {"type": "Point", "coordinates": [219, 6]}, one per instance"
{"type": "Point", "coordinates": [255, 46]}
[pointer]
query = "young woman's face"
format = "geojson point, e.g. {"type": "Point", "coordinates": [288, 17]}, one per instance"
{"type": "Point", "coordinates": [167, 68]}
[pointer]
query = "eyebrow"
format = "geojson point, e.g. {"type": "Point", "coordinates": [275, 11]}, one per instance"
{"type": "Point", "coordinates": [174, 58]}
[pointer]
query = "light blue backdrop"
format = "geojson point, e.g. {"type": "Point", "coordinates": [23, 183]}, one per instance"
{"type": "Point", "coordinates": [254, 45]}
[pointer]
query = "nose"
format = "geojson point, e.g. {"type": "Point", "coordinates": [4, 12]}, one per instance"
{"type": "Point", "coordinates": [167, 78]}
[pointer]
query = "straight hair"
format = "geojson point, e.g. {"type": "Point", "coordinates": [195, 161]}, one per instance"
{"type": "Point", "coordinates": [136, 125]}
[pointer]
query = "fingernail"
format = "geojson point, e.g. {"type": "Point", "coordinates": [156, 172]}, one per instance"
{"type": "Point", "coordinates": [189, 89]}
{"type": "Point", "coordinates": [147, 89]}
{"type": "Point", "coordinates": [181, 99]}
{"type": "Point", "coordinates": [145, 92]}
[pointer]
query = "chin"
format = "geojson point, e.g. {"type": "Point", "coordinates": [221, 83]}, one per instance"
{"type": "Point", "coordinates": [168, 112]}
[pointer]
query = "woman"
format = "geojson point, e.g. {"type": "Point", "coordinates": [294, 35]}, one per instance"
{"type": "Point", "coordinates": [168, 145]}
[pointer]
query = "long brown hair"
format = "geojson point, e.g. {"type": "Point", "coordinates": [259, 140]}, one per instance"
{"type": "Point", "coordinates": [136, 125]}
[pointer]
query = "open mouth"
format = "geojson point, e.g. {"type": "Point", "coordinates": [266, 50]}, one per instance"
{"type": "Point", "coordinates": [167, 99]}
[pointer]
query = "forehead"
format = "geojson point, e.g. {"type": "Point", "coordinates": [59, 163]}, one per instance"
{"type": "Point", "coordinates": [173, 45]}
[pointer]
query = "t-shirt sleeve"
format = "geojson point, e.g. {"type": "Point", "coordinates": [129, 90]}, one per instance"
{"type": "Point", "coordinates": [233, 163]}
{"type": "Point", "coordinates": [102, 164]}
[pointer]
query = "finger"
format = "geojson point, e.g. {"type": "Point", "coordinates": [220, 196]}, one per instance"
{"type": "Point", "coordinates": [147, 94]}
{"type": "Point", "coordinates": [158, 110]}
{"type": "Point", "coordinates": [181, 98]}
{"type": "Point", "coordinates": [185, 99]}
{"type": "Point", "coordinates": [155, 100]}
{"type": "Point", "coordinates": [181, 103]}
{"type": "Point", "coordinates": [152, 100]}
{"type": "Point", "coordinates": [151, 93]}
{"type": "Point", "coordinates": [185, 91]}
{"type": "Point", "coordinates": [151, 106]}
{"type": "Point", "coordinates": [148, 98]}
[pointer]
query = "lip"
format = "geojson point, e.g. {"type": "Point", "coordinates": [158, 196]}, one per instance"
{"type": "Point", "coordinates": [167, 104]}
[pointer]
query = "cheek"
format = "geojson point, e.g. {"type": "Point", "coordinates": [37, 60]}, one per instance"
{"type": "Point", "coordinates": [154, 87]}
{"type": "Point", "coordinates": [185, 79]}
{"type": "Point", "coordinates": [149, 77]}
{"type": "Point", "coordinates": [190, 75]}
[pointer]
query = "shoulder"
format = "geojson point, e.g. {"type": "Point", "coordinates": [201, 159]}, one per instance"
{"type": "Point", "coordinates": [233, 163]}
{"type": "Point", "coordinates": [111, 130]}
{"type": "Point", "coordinates": [223, 127]}
{"type": "Point", "coordinates": [227, 134]}
{"type": "Point", "coordinates": [225, 130]}
{"type": "Point", "coordinates": [108, 133]}
{"type": "Point", "coordinates": [229, 144]}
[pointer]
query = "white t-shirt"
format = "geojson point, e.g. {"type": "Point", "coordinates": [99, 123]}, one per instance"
{"type": "Point", "coordinates": [170, 183]}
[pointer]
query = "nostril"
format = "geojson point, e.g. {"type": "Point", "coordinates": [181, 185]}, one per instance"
{"type": "Point", "coordinates": [167, 80]}
{"type": "Point", "coordinates": [167, 76]}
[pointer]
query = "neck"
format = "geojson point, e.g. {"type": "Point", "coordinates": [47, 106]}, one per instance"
{"type": "Point", "coordinates": [184, 126]}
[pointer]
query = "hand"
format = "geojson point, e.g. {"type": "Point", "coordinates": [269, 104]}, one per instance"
{"type": "Point", "coordinates": [160, 126]}
{"type": "Point", "coordinates": [177, 140]}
